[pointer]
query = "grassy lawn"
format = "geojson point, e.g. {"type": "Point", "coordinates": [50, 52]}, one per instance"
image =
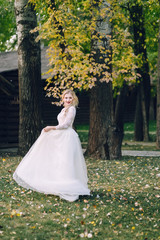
{"type": "Point", "coordinates": [139, 146]}
{"type": "Point", "coordinates": [130, 126]}
{"type": "Point", "coordinates": [129, 131]}
{"type": "Point", "coordinates": [124, 204]}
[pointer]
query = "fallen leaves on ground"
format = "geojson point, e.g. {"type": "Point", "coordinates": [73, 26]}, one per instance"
{"type": "Point", "coordinates": [124, 204]}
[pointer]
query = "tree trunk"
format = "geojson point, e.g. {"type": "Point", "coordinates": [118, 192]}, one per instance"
{"type": "Point", "coordinates": [102, 132]}
{"type": "Point", "coordinates": [144, 114]}
{"type": "Point", "coordinates": [136, 14]}
{"type": "Point", "coordinates": [158, 93]}
{"type": "Point", "coordinates": [29, 70]}
{"type": "Point", "coordinates": [100, 121]}
{"type": "Point", "coordinates": [118, 127]}
{"type": "Point", "coordinates": [138, 121]}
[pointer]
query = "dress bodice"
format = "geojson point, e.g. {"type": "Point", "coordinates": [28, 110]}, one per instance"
{"type": "Point", "coordinates": [66, 118]}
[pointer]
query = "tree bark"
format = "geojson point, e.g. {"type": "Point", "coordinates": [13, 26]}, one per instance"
{"type": "Point", "coordinates": [120, 107]}
{"type": "Point", "coordinates": [29, 71]}
{"type": "Point", "coordinates": [158, 92]}
{"type": "Point", "coordinates": [103, 140]}
{"type": "Point", "coordinates": [136, 14]}
{"type": "Point", "coordinates": [144, 114]}
{"type": "Point", "coordinates": [100, 121]}
{"type": "Point", "coordinates": [118, 128]}
{"type": "Point", "coordinates": [138, 121]}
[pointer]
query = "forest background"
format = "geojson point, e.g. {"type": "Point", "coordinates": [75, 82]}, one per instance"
{"type": "Point", "coordinates": [101, 46]}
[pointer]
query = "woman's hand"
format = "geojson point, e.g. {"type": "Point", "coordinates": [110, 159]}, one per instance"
{"type": "Point", "coordinates": [48, 128]}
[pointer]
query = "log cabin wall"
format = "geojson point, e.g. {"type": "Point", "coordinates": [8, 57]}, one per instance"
{"type": "Point", "coordinates": [9, 113]}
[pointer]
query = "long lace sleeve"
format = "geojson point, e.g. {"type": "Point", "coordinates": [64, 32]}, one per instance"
{"type": "Point", "coordinates": [67, 119]}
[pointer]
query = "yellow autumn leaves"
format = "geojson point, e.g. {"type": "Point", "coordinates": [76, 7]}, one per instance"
{"type": "Point", "coordinates": [70, 29]}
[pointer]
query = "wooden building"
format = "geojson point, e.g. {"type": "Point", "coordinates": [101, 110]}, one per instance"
{"type": "Point", "coordinates": [9, 102]}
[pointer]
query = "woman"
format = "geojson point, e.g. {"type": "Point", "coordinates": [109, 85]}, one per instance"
{"type": "Point", "coordinates": [55, 163]}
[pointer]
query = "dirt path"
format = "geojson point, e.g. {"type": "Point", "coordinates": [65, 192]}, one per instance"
{"type": "Point", "coordinates": [141, 153]}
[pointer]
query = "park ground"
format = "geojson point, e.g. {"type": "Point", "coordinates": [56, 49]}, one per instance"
{"type": "Point", "coordinates": [124, 203]}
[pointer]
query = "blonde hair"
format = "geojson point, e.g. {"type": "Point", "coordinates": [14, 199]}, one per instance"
{"type": "Point", "coordinates": [75, 98]}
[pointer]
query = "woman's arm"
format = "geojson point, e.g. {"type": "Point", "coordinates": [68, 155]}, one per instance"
{"type": "Point", "coordinates": [48, 128]}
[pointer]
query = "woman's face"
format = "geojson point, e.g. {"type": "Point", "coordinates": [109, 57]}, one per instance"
{"type": "Point", "coordinates": [67, 99]}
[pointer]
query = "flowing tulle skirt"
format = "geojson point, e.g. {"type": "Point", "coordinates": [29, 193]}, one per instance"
{"type": "Point", "coordinates": [55, 165]}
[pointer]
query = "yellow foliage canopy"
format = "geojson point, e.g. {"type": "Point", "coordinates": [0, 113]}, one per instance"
{"type": "Point", "coordinates": [69, 27]}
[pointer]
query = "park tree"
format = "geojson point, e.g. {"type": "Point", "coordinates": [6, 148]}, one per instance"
{"type": "Point", "coordinates": [143, 85]}
{"type": "Point", "coordinates": [29, 72]}
{"type": "Point", "coordinates": [134, 11]}
{"type": "Point", "coordinates": [144, 17]}
{"type": "Point", "coordinates": [106, 121]}
{"type": "Point", "coordinates": [101, 99]}
{"type": "Point", "coordinates": [158, 91]}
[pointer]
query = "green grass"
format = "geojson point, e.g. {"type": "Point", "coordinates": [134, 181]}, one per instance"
{"type": "Point", "coordinates": [124, 204]}
{"type": "Point", "coordinates": [130, 126]}
{"type": "Point", "coordinates": [129, 136]}
{"type": "Point", "coordinates": [152, 126]}
{"type": "Point", "coordinates": [139, 146]}
{"type": "Point", "coordinates": [83, 136]}
{"type": "Point", "coordinates": [82, 127]}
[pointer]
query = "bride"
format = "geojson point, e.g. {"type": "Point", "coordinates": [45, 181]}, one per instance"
{"type": "Point", "coordinates": [55, 163]}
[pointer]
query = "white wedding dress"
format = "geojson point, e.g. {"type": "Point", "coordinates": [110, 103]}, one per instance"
{"type": "Point", "coordinates": [55, 163]}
